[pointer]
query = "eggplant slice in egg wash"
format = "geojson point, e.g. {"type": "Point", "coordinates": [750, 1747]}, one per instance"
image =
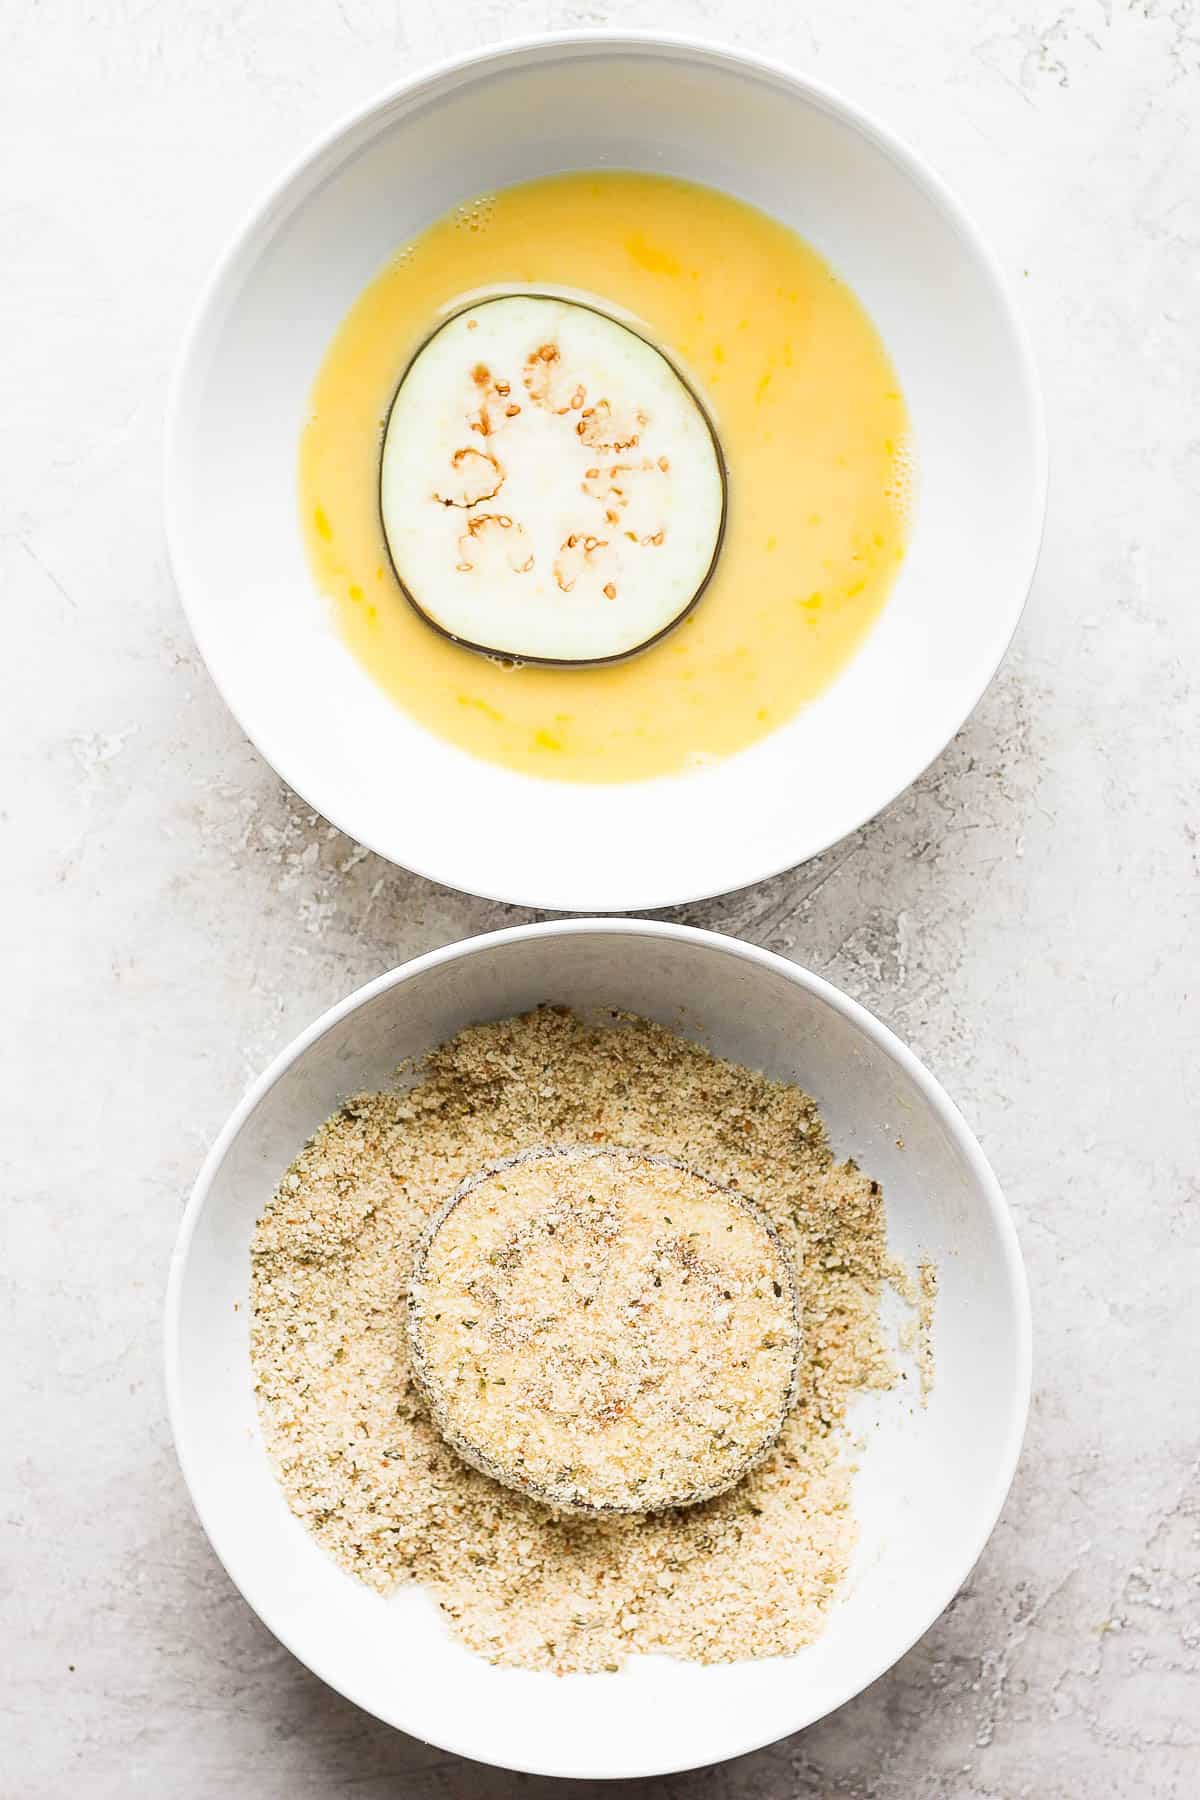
{"type": "Point", "coordinates": [552, 490]}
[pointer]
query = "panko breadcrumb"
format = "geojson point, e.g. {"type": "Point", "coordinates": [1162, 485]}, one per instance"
{"type": "Point", "coordinates": [751, 1573]}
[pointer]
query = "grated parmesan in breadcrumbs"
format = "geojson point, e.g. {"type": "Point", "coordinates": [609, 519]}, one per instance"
{"type": "Point", "coordinates": [749, 1574]}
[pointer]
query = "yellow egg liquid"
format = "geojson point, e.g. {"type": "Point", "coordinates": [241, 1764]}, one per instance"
{"type": "Point", "coordinates": [809, 414]}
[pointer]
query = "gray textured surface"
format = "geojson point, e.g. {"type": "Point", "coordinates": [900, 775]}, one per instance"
{"type": "Point", "coordinates": [1026, 917]}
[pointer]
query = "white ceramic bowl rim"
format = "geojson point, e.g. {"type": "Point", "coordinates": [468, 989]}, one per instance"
{"type": "Point", "coordinates": [940, 1103]}
{"type": "Point", "coordinates": [891, 783]}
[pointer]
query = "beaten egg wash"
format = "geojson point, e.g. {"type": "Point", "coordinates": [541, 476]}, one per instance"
{"type": "Point", "coordinates": [810, 420]}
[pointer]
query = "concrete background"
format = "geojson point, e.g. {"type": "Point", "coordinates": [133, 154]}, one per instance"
{"type": "Point", "coordinates": [1025, 917]}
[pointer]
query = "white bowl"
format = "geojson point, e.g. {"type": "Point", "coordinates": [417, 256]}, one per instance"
{"type": "Point", "coordinates": [580, 101]}
{"type": "Point", "coordinates": [931, 1482]}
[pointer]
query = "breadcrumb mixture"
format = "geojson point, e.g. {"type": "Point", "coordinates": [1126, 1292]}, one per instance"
{"type": "Point", "coordinates": [919, 1292]}
{"type": "Point", "coordinates": [749, 1574]}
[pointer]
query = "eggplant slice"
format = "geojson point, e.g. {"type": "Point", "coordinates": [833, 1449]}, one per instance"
{"type": "Point", "coordinates": [577, 1342]}
{"type": "Point", "coordinates": [551, 489]}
